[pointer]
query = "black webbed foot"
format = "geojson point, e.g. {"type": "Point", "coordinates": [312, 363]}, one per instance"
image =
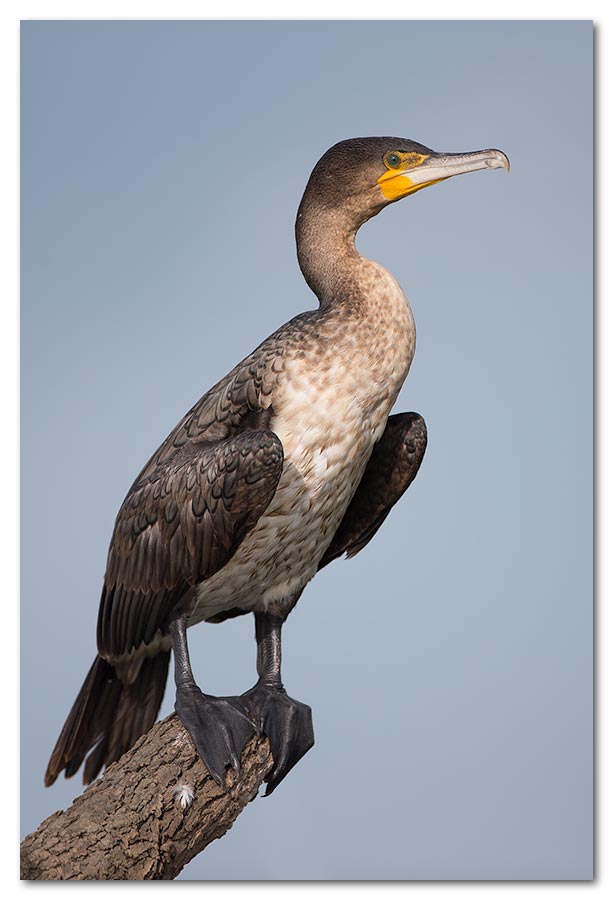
{"type": "Point", "coordinates": [285, 722]}
{"type": "Point", "coordinates": [217, 727]}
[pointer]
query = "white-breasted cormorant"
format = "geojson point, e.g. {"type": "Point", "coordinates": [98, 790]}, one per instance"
{"type": "Point", "coordinates": [288, 462]}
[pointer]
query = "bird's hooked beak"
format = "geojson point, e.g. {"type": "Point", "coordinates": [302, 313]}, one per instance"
{"type": "Point", "coordinates": [417, 170]}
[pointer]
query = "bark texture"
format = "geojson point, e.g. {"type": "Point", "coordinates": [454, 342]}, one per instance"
{"type": "Point", "coordinates": [130, 824]}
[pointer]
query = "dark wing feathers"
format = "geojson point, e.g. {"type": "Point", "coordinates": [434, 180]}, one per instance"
{"type": "Point", "coordinates": [179, 525]}
{"type": "Point", "coordinates": [239, 402]}
{"type": "Point", "coordinates": [183, 518]}
{"type": "Point", "coordinates": [394, 463]}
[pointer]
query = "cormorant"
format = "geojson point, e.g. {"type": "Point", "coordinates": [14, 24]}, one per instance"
{"type": "Point", "coordinates": [290, 461]}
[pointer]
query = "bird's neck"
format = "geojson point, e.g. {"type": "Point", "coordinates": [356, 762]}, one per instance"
{"type": "Point", "coordinates": [328, 259]}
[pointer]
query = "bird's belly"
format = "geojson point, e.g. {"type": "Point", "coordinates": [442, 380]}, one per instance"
{"type": "Point", "coordinates": [330, 409]}
{"type": "Point", "coordinates": [324, 463]}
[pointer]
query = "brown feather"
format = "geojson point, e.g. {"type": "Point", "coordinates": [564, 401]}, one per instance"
{"type": "Point", "coordinates": [394, 463]}
{"type": "Point", "coordinates": [185, 535]}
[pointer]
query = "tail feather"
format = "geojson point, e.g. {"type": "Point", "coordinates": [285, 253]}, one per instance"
{"type": "Point", "coordinates": [108, 717]}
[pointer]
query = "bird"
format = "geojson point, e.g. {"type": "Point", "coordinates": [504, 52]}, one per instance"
{"type": "Point", "coordinates": [292, 460]}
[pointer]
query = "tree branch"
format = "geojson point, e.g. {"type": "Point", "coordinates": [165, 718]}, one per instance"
{"type": "Point", "coordinates": [130, 824]}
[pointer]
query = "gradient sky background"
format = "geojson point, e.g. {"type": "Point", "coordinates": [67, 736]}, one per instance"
{"type": "Point", "coordinates": [449, 666]}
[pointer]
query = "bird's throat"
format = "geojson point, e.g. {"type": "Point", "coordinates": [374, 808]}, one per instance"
{"type": "Point", "coordinates": [327, 255]}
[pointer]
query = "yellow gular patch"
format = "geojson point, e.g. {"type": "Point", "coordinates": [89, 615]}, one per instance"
{"type": "Point", "coordinates": [396, 183]}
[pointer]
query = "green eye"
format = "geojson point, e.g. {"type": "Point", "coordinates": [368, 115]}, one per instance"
{"type": "Point", "coordinates": [392, 160]}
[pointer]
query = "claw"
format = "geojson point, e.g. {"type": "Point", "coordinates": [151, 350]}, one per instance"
{"type": "Point", "coordinates": [218, 729]}
{"type": "Point", "coordinates": [286, 723]}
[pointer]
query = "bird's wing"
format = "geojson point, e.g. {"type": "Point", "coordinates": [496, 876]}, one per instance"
{"type": "Point", "coordinates": [179, 526]}
{"type": "Point", "coordinates": [394, 463]}
{"type": "Point", "coordinates": [239, 402]}
{"type": "Point", "coordinates": [191, 506]}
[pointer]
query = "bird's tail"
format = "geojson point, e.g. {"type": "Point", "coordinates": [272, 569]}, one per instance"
{"type": "Point", "coordinates": [108, 717]}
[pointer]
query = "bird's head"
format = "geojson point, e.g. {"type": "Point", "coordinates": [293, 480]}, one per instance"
{"type": "Point", "coordinates": [363, 175]}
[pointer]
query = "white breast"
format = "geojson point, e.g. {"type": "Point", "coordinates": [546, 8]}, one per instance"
{"type": "Point", "coordinates": [331, 408]}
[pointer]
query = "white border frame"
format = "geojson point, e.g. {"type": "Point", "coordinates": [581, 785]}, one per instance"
{"type": "Point", "coordinates": [10, 15]}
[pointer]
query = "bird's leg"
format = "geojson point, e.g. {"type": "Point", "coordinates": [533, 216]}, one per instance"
{"type": "Point", "coordinates": [218, 729]}
{"type": "Point", "coordinates": [285, 722]}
